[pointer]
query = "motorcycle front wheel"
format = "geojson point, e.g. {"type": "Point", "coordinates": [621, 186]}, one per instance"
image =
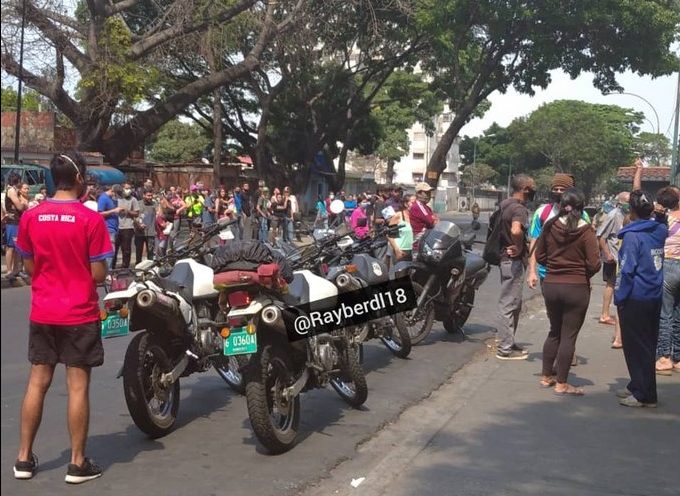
{"type": "Point", "coordinates": [229, 369]}
{"type": "Point", "coordinates": [417, 323]}
{"type": "Point", "coordinates": [152, 406]}
{"type": "Point", "coordinates": [398, 342]}
{"type": "Point", "coordinates": [350, 383]}
{"type": "Point", "coordinates": [275, 419]}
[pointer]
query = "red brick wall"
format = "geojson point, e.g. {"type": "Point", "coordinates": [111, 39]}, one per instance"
{"type": "Point", "coordinates": [37, 130]}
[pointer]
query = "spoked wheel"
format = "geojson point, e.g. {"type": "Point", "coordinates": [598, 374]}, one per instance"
{"type": "Point", "coordinates": [275, 419]}
{"type": "Point", "coordinates": [229, 369]}
{"type": "Point", "coordinates": [455, 321]}
{"type": "Point", "coordinates": [350, 383]}
{"type": "Point", "coordinates": [397, 340]}
{"type": "Point", "coordinates": [417, 323]}
{"type": "Point", "coordinates": [152, 405]}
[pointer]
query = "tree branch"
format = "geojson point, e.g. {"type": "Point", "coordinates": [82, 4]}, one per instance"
{"type": "Point", "coordinates": [57, 36]}
{"type": "Point", "coordinates": [146, 44]}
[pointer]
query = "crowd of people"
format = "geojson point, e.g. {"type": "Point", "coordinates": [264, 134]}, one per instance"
{"type": "Point", "coordinates": [68, 241]}
{"type": "Point", "coordinates": [636, 243]}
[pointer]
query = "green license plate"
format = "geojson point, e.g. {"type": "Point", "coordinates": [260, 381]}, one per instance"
{"type": "Point", "coordinates": [240, 342]}
{"type": "Point", "coordinates": [115, 326]}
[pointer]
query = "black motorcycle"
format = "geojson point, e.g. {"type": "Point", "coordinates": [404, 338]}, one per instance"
{"type": "Point", "coordinates": [445, 275]}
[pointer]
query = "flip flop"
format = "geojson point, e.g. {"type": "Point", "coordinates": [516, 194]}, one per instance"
{"type": "Point", "coordinates": [574, 391]}
{"type": "Point", "coordinates": [614, 347]}
{"type": "Point", "coordinates": [609, 321]}
{"type": "Point", "coordinates": [547, 384]}
{"type": "Point", "coordinates": [664, 371]}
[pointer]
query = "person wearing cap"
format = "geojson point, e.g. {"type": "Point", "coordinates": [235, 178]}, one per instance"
{"type": "Point", "coordinates": [421, 215]}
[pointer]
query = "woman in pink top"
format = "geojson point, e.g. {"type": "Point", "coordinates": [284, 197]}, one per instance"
{"type": "Point", "coordinates": [359, 219]}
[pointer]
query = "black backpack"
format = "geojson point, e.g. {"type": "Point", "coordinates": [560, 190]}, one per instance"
{"type": "Point", "coordinates": [492, 249]}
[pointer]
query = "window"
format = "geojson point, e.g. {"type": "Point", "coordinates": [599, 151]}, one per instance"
{"type": "Point", "coordinates": [418, 156]}
{"type": "Point", "coordinates": [417, 177]}
{"type": "Point", "coordinates": [418, 136]}
{"type": "Point", "coordinates": [35, 177]}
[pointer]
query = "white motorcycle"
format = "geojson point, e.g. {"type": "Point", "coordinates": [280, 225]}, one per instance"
{"type": "Point", "coordinates": [173, 307]}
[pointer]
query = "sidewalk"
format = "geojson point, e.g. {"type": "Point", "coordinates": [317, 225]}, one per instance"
{"type": "Point", "coordinates": [491, 430]}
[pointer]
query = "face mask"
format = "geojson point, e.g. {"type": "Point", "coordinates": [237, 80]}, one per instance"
{"type": "Point", "coordinates": [331, 197]}
{"type": "Point", "coordinates": [555, 197]}
{"type": "Point", "coordinates": [365, 204]}
{"type": "Point", "coordinates": [530, 195]}
{"type": "Point", "coordinates": [127, 193]}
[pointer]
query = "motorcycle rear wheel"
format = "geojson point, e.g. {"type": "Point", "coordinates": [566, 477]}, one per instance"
{"type": "Point", "coordinates": [152, 406]}
{"type": "Point", "coordinates": [274, 419]}
{"type": "Point", "coordinates": [419, 329]}
{"type": "Point", "coordinates": [350, 384]}
{"type": "Point", "coordinates": [454, 323]}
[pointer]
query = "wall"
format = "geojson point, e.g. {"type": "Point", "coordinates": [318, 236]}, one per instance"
{"type": "Point", "coordinates": [37, 130]}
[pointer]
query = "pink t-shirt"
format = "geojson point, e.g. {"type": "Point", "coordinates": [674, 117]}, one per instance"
{"type": "Point", "coordinates": [63, 237]}
{"type": "Point", "coordinates": [361, 231]}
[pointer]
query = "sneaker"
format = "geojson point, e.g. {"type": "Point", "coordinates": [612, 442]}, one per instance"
{"type": "Point", "coordinates": [511, 355]}
{"type": "Point", "coordinates": [623, 393]}
{"type": "Point", "coordinates": [87, 471]}
{"type": "Point", "coordinates": [518, 348]}
{"type": "Point", "coordinates": [26, 470]}
{"type": "Point", "coordinates": [633, 402]}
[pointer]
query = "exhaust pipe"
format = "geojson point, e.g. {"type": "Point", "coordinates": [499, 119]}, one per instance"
{"type": "Point", "coordinates": [271, 314]}
{"type": "Point", "coordinates": [346, 282]}
{"type": "Point", "coordinates": [162, 309]}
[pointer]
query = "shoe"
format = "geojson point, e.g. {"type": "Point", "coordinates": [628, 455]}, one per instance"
{"type": "Point", "coordinates": [519, 349]}
{"type": "Point", "coordinates": [623, 393]}
{"type": "Point", "coordinates": [26, 470]}
{"type": "Point", "coordinates": [633, 402]}
{"type": "Point", "coordinates": [511, 355]}
{"type": "Point", "coordinates": [87, 471]}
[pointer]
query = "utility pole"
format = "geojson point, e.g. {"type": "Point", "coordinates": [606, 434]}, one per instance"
{"type": "Point", "coordinates": [675, 177]}
{"type": "Point", "coordinates": [509, 176]}
{"type": "Point", "coordinates": [17, 129]}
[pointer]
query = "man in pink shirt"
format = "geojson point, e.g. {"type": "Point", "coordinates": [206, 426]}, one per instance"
{"type": "Point", "coordinates": [64, 245]}
{"type": "Point", "coordinates": [422, 216]}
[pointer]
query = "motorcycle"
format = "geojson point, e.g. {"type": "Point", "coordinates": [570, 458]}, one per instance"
{"type": "Point", "coordinates": [445, 275]}
{"type": "Point", "coordinates": [262, 297]}
{"type": "Point", "coordinates": [172, 305]}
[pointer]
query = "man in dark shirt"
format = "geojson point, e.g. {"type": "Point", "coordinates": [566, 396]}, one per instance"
{"type": "Point", "coordinates": [514, 219]}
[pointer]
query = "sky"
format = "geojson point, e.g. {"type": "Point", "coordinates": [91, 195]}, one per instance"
{"type": "Point", "coordinates": [659, 92]}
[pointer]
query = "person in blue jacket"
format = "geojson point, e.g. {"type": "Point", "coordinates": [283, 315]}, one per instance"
{"type": "Point", "coordinates": [637, 295]}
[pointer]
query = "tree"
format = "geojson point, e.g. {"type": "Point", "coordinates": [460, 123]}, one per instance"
{"type": "Point", "coordinates": [30, 100]}
{"type": "Point", "coordinates": [476, 175]}
{"type": "Point", "coordinates": [654, 147]}
{"type": "Point", "coordinates": [177, 142]}
{"type": "Point", "coordinates": [478, 47]}
{"type": "Point", "coordinates": [116, 53]}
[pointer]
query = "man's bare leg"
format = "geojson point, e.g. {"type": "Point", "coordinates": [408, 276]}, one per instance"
{"type": "Point", "coordinates": [78, 383]}
{"type": "Point", "coordinates": [32, 408]}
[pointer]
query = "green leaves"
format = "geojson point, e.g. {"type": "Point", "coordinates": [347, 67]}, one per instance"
{"type": "Point", "coordinates": [178, 142]}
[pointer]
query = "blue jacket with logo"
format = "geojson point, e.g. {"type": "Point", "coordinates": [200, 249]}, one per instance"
{"type": "Point", "coordinates": [641, 261]}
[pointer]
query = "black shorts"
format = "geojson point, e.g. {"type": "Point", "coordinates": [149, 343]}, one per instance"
{"type": "Point", "coordinates": [77, 346]}
{"type": "Point", "coordinates": [609, 272]}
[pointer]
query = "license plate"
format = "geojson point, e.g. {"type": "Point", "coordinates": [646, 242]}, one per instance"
{"type": "Point", "coordinates": [240, 342]}
{"type": "Point", "coordinates": [115, 326]}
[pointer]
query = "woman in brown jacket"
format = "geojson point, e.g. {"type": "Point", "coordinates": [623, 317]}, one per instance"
{"type": "Point", "coordinates": [568, 248]}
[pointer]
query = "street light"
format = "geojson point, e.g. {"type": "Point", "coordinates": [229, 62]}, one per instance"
{"type": "Point", "coordinates": [658, 125]}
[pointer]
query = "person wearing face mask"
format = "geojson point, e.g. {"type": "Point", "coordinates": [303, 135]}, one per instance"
{"type": "Point", "coordinates": [359, 219]}
{"type": "Point", "coordinates": [607, 236]}
{"type": "Point", "coordinates": [421, 215]}
{"type": "Point", "coordinates": [331, 215]}
{"type": "Point", "coordinates": [514, 218]}
{"type": "Point", "coordinates": [126, 224]}
{"type": "Point", "coordinates": [145, 227]}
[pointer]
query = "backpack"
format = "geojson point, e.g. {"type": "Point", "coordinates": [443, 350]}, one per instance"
{"type": "Point", "coordinates": [492, 249]}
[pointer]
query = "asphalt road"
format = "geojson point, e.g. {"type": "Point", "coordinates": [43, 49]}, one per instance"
{"type": "Point", "coordinates": [213, 450]}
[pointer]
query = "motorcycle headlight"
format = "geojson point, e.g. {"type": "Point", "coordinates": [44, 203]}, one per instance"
{"type": "Point", "coordinates": [437, 255]}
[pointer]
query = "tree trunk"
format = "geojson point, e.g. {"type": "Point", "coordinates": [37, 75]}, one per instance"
{"type": "Point", "coordinates": [389, 173]}
{"type": "Point", "coordinates": [217, 139]}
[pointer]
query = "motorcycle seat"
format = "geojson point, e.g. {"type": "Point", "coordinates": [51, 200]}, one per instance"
{"type": "Point", "coordinates": [266, 275]}
{"type": "Point", "coordinates": [180, 280]}
{"type": "Point", "coordinates": [473, 264]}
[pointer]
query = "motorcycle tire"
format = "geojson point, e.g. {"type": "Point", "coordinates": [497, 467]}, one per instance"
{"type": "Point", "coordinates": [454, 323]}
{"type": "Point", "coordinates": [145, 361]}
{"type": "Point", "coordinates": [229, 369]}
{"type": "Point", "coordinates": [401, 346]}
{"type": "Point", "coordinates": [272, 373]}
{"type": "Point", "coordinates": [423, 326]}
{"type": "Point", "coordinates": [350, 384]}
